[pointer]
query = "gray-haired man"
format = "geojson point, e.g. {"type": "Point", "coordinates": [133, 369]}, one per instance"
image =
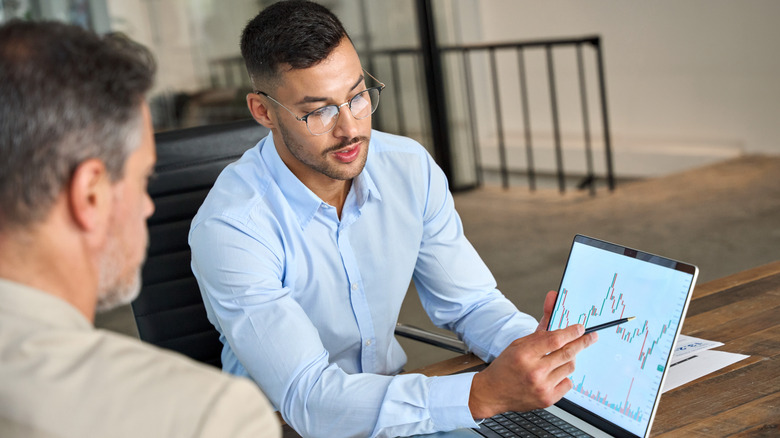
{"type": "Point", "coordinates": [77, 150]}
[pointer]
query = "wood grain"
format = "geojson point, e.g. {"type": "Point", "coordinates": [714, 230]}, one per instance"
{"type": "Point", "coordinates": [738, 278]}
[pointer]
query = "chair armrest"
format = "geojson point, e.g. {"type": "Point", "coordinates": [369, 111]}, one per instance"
{"type": "Point", "coordinates": [439, 340]}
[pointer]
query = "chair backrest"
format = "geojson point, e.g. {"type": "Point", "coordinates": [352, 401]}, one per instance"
{"type": "Point", "coordinates": [169, 311]}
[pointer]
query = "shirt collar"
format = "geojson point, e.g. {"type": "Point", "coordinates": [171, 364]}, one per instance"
{"type": "Point", "coordinates": [303, 201]}
{"type": "Point", "coordinates": [46, 309]}
{"type": "Point", "coordinates": [364, 186]}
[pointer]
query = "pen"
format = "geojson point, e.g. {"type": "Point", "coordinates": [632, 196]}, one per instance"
{"type": "Point", "coordinates": [608, 324]}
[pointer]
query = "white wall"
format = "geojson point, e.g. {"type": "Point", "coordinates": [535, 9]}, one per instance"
{"type": "Point", "coordinates": [685, 78]}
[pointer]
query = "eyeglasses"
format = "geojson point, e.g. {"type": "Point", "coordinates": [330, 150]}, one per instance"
{"type": "Point", "coordinates": [323, 120]}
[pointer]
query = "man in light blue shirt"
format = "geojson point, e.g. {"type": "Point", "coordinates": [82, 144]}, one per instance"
{"type": "Point", "coordinates": [305, 247]}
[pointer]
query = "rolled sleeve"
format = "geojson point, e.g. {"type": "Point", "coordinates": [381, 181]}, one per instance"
{"type": "Point", "coordinates": [455, 286]}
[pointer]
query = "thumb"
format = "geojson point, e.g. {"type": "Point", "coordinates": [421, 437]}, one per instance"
{"type": "Point", "coordinates": [549, 303]}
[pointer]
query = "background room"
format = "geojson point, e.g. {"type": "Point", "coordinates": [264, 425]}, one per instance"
{"type": "Point", "coordinates": [680, 117]}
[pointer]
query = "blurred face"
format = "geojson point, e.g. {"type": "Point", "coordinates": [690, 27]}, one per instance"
{"type": "Point", "coordinates": [120, 270]}
{"type": "Point", "coordinates": [341, 153]}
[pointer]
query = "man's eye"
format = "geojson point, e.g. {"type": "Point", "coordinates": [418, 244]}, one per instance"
{"type": "Point", "coordinates": [326, 111]}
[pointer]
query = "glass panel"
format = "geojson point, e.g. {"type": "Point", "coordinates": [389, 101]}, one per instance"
{"type": "Point", "coordinates": [202, 79]}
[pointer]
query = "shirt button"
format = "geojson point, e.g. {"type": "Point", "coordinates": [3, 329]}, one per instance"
{"type": "Point", "coordinates": [368, 343]}
{"type": "Point", "coordinates": [354, 286]}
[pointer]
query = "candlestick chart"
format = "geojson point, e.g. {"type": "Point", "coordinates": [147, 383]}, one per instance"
{"type": "Point", "coordinates": [616, 309]}
{"type": "Point", "coordinates": [620, 375]}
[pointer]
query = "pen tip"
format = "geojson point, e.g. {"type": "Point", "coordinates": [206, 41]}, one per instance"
{"type": "Point", "coordinates": [630, 318]}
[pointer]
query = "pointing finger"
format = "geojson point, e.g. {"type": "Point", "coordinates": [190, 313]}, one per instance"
{"type": "Point", "coordinates": [569, 351]}
{"type": "Point", "coordinates": [554, 340]}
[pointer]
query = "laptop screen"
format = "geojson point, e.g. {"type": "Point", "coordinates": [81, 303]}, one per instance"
{"type": "Point", "coordinates": [619, 378]}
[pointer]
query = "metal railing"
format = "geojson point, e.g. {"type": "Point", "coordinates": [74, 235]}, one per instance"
{"type": "Point", "coordinates": [446, 341]}
{"type": "Point", "coordinates": [467, 53]}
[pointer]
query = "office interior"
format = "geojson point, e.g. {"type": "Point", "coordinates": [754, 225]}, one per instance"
{"type": "Point", "coordinates": [665, 139]}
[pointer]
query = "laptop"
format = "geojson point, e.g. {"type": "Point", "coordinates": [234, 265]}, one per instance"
{"type": "Point", "coordinates": [618, 380]}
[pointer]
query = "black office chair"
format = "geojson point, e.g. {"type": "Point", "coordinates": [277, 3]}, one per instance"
{"type": "Point", "coordinates": [169, 311]}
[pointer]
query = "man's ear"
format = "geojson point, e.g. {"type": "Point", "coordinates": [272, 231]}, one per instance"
{"type": "Point", "coordinates": [258, 106]}
{"type": "Point", "coordinates": [89, 195]}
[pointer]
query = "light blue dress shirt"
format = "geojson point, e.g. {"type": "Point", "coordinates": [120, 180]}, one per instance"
{"type": "Point", "coordinates": [306, 304]}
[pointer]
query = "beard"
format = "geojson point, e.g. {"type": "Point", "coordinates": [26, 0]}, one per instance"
{"type": "Point", "coordinates": [320, 164]}
{"type": "Point", "coordinates": [116, 288]}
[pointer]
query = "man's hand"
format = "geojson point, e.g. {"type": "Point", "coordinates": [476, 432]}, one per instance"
{"type": "Point", "coordinates": [532, 372]}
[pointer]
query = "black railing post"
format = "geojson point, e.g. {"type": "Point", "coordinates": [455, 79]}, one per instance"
{"type": "Point", "coordinates": [604, 114]}
{"type": "Point", "coordinates": [472, 115]}
{"type": "Point", "coordinates": [529, 151]}
{"type": "Point", "coordinates": [556, 125]}
{"type": "Point", "coordinates": [434, 81]}
{"type": "Point", "coordinates": [499, 121]}
{"type": "Point", "coordinates": [590, 178]}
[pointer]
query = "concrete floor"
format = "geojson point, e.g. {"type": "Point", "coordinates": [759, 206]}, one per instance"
{"type": "Point", "coordinates": [723, 218]}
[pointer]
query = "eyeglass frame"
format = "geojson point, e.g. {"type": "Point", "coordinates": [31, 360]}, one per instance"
{"type": "Point", "coordinates": [304, 119]}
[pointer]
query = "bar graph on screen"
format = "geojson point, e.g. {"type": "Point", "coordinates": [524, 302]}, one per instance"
{"type": "Point", "coordinates": [622, 407]}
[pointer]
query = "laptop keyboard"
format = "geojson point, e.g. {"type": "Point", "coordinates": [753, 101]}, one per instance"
{"type": "Point", "coordinates": [538, 423]}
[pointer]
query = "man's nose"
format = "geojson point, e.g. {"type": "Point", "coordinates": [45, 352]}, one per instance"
{"type": "Point", "coordinates": [347, 124]}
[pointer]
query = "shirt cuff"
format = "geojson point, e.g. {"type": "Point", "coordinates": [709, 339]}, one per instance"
{"type": "Point", "coordinates": [449, 402]}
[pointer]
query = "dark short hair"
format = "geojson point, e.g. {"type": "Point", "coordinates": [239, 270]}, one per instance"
{"type": "Point", "coordinates": [292, 33]}
{"type": "Point", "coordinates": [66, 95]}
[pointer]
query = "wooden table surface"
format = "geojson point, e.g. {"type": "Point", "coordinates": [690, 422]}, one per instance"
{"type": "Point", "coordinates": [743, 399]}
{"type": "Point", "coordinates": [743, 312]}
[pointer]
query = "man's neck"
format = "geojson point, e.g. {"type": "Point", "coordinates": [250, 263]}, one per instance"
{"type": "Point", "coordinates": [333, 193]}
{"type": "Point", "coordinates": [336, 195]}
{"type": "Point", "coordinates": [35, 258]}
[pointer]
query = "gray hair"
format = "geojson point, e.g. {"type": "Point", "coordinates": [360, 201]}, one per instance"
{"type": "Point", "coordinates": [66, 96]}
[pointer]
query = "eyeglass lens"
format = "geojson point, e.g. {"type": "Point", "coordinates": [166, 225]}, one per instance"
{"type": "Point", "coordinates": [361, 105]}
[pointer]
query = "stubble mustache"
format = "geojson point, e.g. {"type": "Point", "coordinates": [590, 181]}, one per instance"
{"type": "Point", "coordinates": [346, 143]}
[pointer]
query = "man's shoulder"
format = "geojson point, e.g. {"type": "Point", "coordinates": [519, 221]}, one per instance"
{"type": "Point", "coordinates": [390, 151]}
{"type": "Point", "coordinates": [173, 373]}
{"type": "Point", "coordinates": [386, 142]}
{"type": "Point", "coordinates": [239, 187]}
{"type": "Point", "coordinates": [170, 366]}
{"type": "Point", "coordinates": [397, 159]}
{"type": "Point", "coordinates": [114, 362]}
{"type": "Point", "coordinates": [218, 402]}
{"type": "Point", "coordinates": [137, 387]}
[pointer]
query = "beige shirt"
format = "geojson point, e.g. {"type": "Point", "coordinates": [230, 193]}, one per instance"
{"type": "Point", "coordinates": [61, 377]}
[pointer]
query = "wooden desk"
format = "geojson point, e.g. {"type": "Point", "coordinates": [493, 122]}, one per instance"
{"type": "Point", "coordinates": [743, 312]}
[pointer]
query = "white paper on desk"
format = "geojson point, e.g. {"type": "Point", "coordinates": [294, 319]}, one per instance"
{"type": "Point", "coordinates": [697, 365]}
{"type": "Point", "coordinates": [688, 345]}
